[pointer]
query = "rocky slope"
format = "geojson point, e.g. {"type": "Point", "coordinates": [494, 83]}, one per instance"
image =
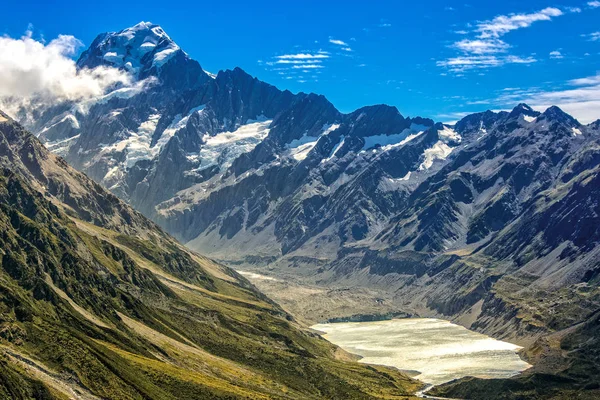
{"type": "Point", "coordinates": [97, 302]}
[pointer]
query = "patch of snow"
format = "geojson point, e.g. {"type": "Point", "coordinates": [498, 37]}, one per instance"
{"type": "Point", "coordinates": [404, 141]}
{"type": "Point", "coordinates": [61, 147]}
{"type": "Point", "coordinates": [111, 174]}
{"type": "Point", "coordinates": [113, 57]}
{"type": "Point", "coordinates": [335, 150]}
{"type": "Point", "coordinates": [223, 148]}
{"type": "Point", "coordinates": [390, 141]}
{"type": "Point", "coordinates": [163, 56]}
{"type": "Point", "coordinates": [576, 131]}
{"type": "Point", "coordinates": [447, 135]}
{"type": "Point", "coordinates": [327, 129]}
{"type": "Point", "coordinates": [178, 123]}
{"type": "Point", "coordinates": [136, 145]}
{"type": "Point", "coordinates": [148, 45]}
{"type": "Point", "coordinates": [299, 148]}
{"type": "Point", "coordinates": [69, 117]}
{"type": "Point", "coordinates": [406, 177]}
{"type": "Point", "coordinates": [439, 151]}
{"type": "Point", "coordinates": [403, 179]}
{"type": "Point", "coordinates": [482, 130]}
{"type": "Point", "coordinates": [529, 118]}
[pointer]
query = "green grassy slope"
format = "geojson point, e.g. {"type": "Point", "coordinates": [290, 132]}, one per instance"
{"type": "Point", "coordinates": [97, 302]}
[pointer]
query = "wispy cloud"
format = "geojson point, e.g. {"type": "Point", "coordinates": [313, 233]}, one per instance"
{"type": "Point", "coordinates": [464, 63]}
{"type": "Point", "coordinates": [592, 37]}
{"type": "Point", "coordinates": [481, 46]}
{"type": "Point", "coordinates": [487, 49]}
{"type": "Point", "coordinates": [286, 61]}
{"type": "Point", "coordinates": [503, 24]}
{"type": "Point", "coordinates": [303, 56]}
{"type": "Point", "coordinates": [593, 4]}
{"type": "Point", "coordinates": [556, 54]}
{"type": "Point", "coordinates": [338, 42]}
{"type": "Point", "coordinates": [308, 66]}
{"type": "Point", "coordinates": [294, 64]}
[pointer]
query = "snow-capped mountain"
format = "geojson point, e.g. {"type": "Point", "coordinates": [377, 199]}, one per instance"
{"type": "Point", "coordinates": [138, 50]}
{"type": "Point", "coordinates": [457, 220]}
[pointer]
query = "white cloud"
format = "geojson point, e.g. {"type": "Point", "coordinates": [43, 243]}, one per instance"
{"type": "Point", "coordinates": [465, 63]}
{"type": "Point", "coordinates": [556, 54]}
{"type": "Point", "coordinates": [480, 46]}
{"type": "Point", "coordinates": [483, 49]}
{"type": "Point", "coordinates": [594, 4]}
{"type": "Point", "coordinates": [297, 61]}
{"type": "Point", "coordinates": [307, 66]}
{"type": "Point", "coordinates": [593, 37]}
{"type": "Point", "coordinates": [32, 68]}
{"type": "Point", "coordinates": [303, 56]}
{"type": "Point", "coordinates": [503, 24]}
{"type": "Point", "coordinates": [338, 42]}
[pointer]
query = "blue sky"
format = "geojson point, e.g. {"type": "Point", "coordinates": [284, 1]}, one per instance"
{"type": "Point", "coordinates": [440, 59]}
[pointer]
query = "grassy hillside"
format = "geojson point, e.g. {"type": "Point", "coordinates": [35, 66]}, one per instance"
{"type": "Point", "coordinates": [97, 302]}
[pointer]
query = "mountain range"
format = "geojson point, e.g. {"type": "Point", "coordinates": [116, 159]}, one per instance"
{"type": "Point", "coordinates": [492, 222]}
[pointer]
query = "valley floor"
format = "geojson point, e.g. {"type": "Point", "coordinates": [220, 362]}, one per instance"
{"type": "Point", "coordinates": [312, 304]}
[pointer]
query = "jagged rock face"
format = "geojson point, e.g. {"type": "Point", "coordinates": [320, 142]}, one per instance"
{"type": "Point", "coordinates": [181, 140]}
{"type": "Point", "coordinates": [505, 231]}
{"type": "Point", "coordinates": [318, 175]}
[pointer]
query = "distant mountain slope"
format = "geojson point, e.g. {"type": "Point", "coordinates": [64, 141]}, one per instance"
{"type": "Point", "coordinates": [97, 302]}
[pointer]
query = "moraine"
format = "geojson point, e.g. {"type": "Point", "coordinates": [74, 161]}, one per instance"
{"type": "Point", "coordinates": [439, 350]}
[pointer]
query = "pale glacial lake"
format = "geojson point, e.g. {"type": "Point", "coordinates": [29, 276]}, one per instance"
{"type": "Point", "coordinates": [439, 350]}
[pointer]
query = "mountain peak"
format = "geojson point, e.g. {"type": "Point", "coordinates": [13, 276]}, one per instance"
{"type": "Point", "coordinates": [136, 49]}
{"type": "Point", "coordinates": [524, 106]}
{"type": "Point", "coordinates": [554, 113]}
{"type": "Point", "coordinates": [523, 109]}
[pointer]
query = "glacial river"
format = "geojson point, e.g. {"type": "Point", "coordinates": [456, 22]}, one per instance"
{"type": "Point", "coordinates": [437, 350]}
